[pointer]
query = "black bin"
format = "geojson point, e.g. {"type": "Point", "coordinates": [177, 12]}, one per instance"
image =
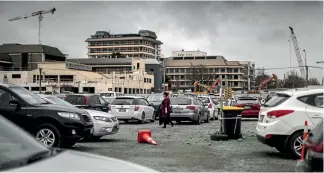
{"type": "Point", "coordinates": [231, 122]}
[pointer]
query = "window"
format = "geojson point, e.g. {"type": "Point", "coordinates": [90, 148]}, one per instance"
{"type": "Point", "coordinates": [315, 100]}
{"type": "Point", "coordinates": [15, 76]}
{"type": "Point", "coordinates": [276, 100]}
{"type": "Point", "coordinates": [180, 101]}
{"type": "Point", "coordinates": [123, 101]}
{"type": "Point", "coordinates": [204, 99]}
{"type": "Point", "coordinates": [138, 66]}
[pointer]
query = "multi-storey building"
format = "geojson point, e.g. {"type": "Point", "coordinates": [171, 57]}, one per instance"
{"type": "Point", "coordinates": [183, 71]}
{"type": "Point", "coordinates": [248, 65]}
{"type": "Point", "coordinates": [186, 53]}
{"type": "Point", "coordinates": [141, 45]}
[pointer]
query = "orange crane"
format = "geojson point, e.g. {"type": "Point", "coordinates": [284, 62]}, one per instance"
{"type": "Point", "coordinates": [209, 88]}
{"type": "Point", "coordinates": [264, 82]}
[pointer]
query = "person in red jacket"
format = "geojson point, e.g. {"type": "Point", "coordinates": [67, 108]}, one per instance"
{"type": "Point", "coordinates": [165, 110]}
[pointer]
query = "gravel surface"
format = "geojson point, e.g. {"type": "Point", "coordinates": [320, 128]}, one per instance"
{"type": "Point", "coordinates": [187, 147]}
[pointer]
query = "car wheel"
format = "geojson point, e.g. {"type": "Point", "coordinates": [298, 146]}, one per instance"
{"type": "Point", "coordinates": [295, 144]}
{"type": "Point", "coordinates": [153, 117]}
{"type": "Point", "coordinates": [207, 119]}
{"type": "Point", "coordinates": [142, 121]}
{"type": "Point", "coordinates": [198, 120]}
{"type": "Point", "coordinates": [49, 135]}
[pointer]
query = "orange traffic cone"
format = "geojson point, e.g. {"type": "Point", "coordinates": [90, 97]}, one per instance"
{"type": "Point", "coordinates": [144, 136]}
{"type": "Point", "coordinates": [302, 155]}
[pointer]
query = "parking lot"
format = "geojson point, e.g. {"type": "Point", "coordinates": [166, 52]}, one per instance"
{"type": "Point", "coordinates": [187, 147]}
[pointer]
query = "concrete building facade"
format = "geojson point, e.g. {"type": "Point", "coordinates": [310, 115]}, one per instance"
{"type": "Point", "coordinates": [184, 53]}
{"type": "Point", "coordinates": [61, 76]}
{"type": "Point", "coordinates": [183, 71]}
{"type": "Point", "coordinates": [144, 44]}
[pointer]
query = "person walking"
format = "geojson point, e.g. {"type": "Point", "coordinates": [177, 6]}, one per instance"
{"type": "Point", "coordinates": [165, 110]}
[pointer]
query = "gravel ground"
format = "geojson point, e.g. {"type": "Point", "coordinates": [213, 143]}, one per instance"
{"type": "Point", "coordinates": [186, 148]}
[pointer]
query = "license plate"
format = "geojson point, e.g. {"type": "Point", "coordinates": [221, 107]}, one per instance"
{"type": "Point", "coordinates": [177, 110]}
{"type": "Point", "coordinates": [261, 118]}
{"type": "Point", "coordinates": [122, 110]}
{"type": "Point", "coordinates": [247, 107]}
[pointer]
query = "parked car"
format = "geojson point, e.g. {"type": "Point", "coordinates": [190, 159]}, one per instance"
{"type": "Point", "coordinates": [110, 94]}
{"type": "Point", "coordinates": [211, 104]}
{"type": "Point", "coordinates": [188, 109]}
{"type": "Point", "coordinates": [53, 125]}
{"type": "Point", "coordinates": [88, 101]}
{"type": "Point", "coordinates": [20, 152]}
{"type": "Point", "coordinates": [127, 108]}
{"type": "Point", "coordinates": [103, 123]}
{"type": "Point", "coordinates": [281, 119]}
{"type": "Point", "coordinates": [155, 100]}
{"type": "Point", "coordinates": [313, 161]}
{"type": "Point", "coordinates": [251, 106]}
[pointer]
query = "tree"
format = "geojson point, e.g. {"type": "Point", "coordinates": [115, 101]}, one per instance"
{"type": "Point", "coordinates": [313, 81]}
{"type": "Point", "coordinates": [294, 81]}
{"type": "Point", "coordinates": [262, 76]}
{"type": "Point", "coordinates": [201, 74]}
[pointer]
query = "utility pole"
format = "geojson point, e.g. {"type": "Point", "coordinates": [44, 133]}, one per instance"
{"type": "Point", "coordinates": [221, 91]}
{"type": "Point", "coordinates": [306, 68]}
{"type": "Point", "coordinates": [249, 79]}
{"type": "Point", "coordinates": [40, 80]}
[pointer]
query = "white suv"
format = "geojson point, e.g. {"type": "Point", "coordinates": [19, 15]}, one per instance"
{"type": "Point", "coordinates": [281, 119]}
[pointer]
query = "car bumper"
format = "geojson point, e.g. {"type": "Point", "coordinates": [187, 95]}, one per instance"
{"type": "Point", "coordinates": [184, 116]}
{"type": "Point", "coordinates": [76, 133]}
{"type": "Point", "coordinates": [135, 116]}
{"type": "Point", "coordinates": [102, 128]}
{"type": "Point", "coordinates": [250, 113]}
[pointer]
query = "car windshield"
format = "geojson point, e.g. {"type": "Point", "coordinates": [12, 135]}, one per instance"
{"type": "Point", "coordinates": [16, 145]}
{"type": "Point", "coordinates": [123, 101]}
{"type": "Point", "coordinates": [28, 96]}
{"type": "Point", "coordinates": [59, 101]}
{"type": "Point", "coordinates": [180, 101]}
{"type": "Point", "coordinates": [155, 98]}
{"type": "Point", "coordinates": [109, 100]}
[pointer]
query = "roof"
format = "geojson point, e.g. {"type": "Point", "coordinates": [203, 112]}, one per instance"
{"type": "Point", "coordinates": [196, 62]}
{"type": "Point", "coordinates": [151, 61]}
{"type": "Point", "coordinates": [30, 48]}
{"type": "Point", "coordinates": [102, 61]}
{"type": "Point", "coordinates": [135, 97]}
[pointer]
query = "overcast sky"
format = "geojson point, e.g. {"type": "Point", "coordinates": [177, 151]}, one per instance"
{"type": "Point", "coordinates": [255, 31]}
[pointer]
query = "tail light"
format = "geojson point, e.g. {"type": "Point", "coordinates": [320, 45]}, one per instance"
{"type": "Point", "coordinates": [191, 108]}
{"type": "Point", "coordinates": [210, 105]}
{"type": "Point", "coordinates": [317, 148]}
{"type": "Point", "coordinates": [136, 108]}
{"type": "Point", "coordinates": [278, 113]}
{"type": "Point", "coordinates": [239, 105]}
{"type": "Point", "coordinates": [86, 100]}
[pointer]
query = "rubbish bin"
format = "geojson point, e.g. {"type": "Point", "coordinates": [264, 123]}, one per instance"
{"type": "Point", "coordinates": [231, 121]}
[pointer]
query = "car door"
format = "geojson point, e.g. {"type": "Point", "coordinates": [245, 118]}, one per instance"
{"type": "Point", "coordinates": [10, 112]}
{"type": "Point", "coordinates": [314, 108]}
{"type": "Point", "coordinates": [147, 109]}
{"type": "Point", "coordinates": [203, 108]}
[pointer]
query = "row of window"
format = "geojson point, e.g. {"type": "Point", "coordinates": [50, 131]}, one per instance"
{"type": "Point", "coordinates": [204, 70]}
{"type": "Point", "coordinates": [182, 83]}
{"type": "Point", "coordinates": [111, 50]}
{"type": "Point", "coordinates": [128, 42]}
{"type": "Point", "coordinates": [145, 56]}
{"type": "Point", "coordinates": [211, 77]}
{"type": "Point", "coordinates": [133, 91]}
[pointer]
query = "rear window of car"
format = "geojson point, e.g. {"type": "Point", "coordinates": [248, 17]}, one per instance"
{"type": "Point", "coordinates": [155, 98]}
{"type": "Point", "coordinates": [247, 101]}
{"type": "Point", "coordinates": [180, 101]}
{"type": "Point", "coordinates": [75, 99]}
{"type": "Point", "coordinates": [123, 101]}
{"type": "Point", "coordinates": [276, 100]}
{"type": "Point", "coordinates": [107, 94]}
{"type": "Point", "coordinates": [204, 99]}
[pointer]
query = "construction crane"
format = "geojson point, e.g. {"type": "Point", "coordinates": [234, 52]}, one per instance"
{"type": "Point", "coordinates": [40, 18]}
{"type": "Point", "coordinates": [297, 51]}
{"type": "Point", "coordinates": [264, 82]}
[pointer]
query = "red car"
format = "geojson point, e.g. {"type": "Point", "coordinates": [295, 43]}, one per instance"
{"type": "Point", "coordinates": [251, 107]}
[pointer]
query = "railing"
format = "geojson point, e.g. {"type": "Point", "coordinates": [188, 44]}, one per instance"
{"type": "Point", "coordinates": [17, 69]}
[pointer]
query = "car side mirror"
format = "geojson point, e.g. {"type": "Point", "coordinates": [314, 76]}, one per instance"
{"type": "Point", "coordinates": [14, 103]}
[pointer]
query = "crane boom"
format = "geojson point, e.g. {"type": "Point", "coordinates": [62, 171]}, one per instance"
{"type": "Point", "coordinates": [297, 51]}
{"type": "Point", "coordinates": [40, 17]}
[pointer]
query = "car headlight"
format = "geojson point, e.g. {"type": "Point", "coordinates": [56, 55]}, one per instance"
{"type": "Point", "coordinates": [100, 118]}
{"type": "Point", "coordinates": [69, 115]}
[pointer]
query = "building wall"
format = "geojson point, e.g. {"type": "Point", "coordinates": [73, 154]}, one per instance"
{"type": "Point", "coordinates": [158, 76]}
{"type": "Point", "coordinates": [55, 76]}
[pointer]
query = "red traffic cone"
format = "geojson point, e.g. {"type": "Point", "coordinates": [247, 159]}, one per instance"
{"type": "Point", "coordinates": [144, 136]}
{"type": "Point", "coordinates": [302, 155]}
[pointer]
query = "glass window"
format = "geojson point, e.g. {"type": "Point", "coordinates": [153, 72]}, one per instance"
{"type": "Point", "coordinates": [155, 98]}
{"type": "Point", "coordinates": [58, 101]}
{"type": "Point", "coordinates": [315, 100]}
{"type": "Point", "coordinates": [28, 96]}
{"type": "Point", "coordinates": [180, 101]}
{"type": "Point", "coordinates": [123, 101]}
{"type": "Point", "coordinates": [204, 99]}
{"type": "Point", "coordinates": [76, 99]}
{"type": "Point", "coordinates": [276, 100]}
{"type": "Point", "coordinates": [102, 101]}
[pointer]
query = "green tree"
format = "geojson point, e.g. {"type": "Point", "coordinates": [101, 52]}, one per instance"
{"type": "Point", "coordinates": [294, 81]}
{"type": "Point", "coordinates": [313, 81]}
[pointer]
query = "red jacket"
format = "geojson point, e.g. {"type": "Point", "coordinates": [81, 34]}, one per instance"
{"type": "Point", "coordinates": [165, 104]}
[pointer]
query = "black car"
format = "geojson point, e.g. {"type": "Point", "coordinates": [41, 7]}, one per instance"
{"type": "Point", "coordinates": [155, 100]}
{"type": "Point", "coordinates": [314, 151]}
{"type": "Point", "coordinates": [53, 125]}
{"type": "Point", "coordinates": [88, 101]}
